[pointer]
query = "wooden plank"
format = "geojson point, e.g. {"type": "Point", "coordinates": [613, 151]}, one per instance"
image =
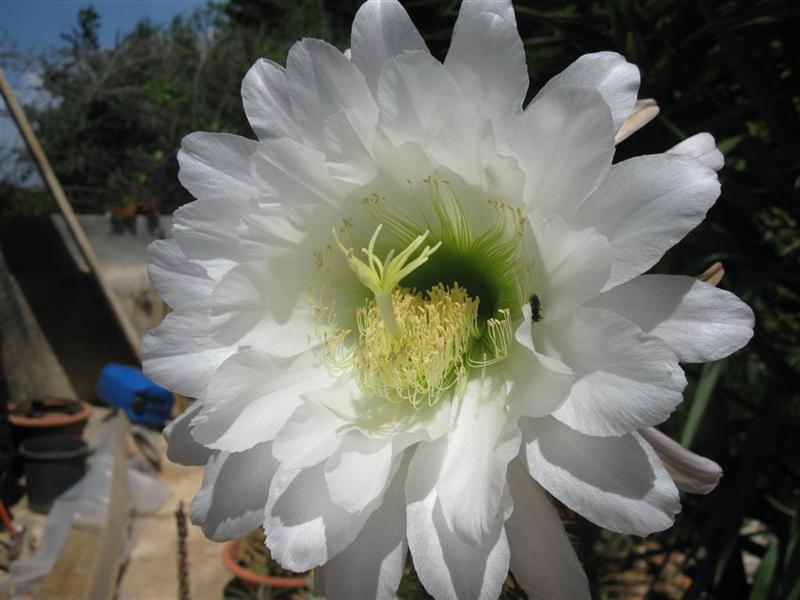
{"type": "Point", "coordinates": [29, 364]}
{"type": "Point", "coordinates": [74, 227]}
{"type": "Point", "coordinates": [112, 543]}
{"type": "Point", "coordinates": [70, 575]}
{"type": "Point", "coordinates": [88, 563]}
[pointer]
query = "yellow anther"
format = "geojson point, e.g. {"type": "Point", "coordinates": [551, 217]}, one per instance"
{"type": "Point", "coordinates": [436, 333]}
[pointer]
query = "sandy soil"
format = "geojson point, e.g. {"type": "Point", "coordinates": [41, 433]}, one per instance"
{"type": "Point", "coordinates": [152, 570]}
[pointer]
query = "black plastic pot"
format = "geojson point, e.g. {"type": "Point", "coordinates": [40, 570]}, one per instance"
{"type": "Point", "coordinates": [52, 464]}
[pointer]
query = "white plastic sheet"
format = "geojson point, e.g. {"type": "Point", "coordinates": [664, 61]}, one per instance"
{"type": "Point", "coordinates": [87, 500]}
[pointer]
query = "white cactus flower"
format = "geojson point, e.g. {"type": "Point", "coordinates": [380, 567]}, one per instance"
{"type": "Point", "coordinates": [414, 304]}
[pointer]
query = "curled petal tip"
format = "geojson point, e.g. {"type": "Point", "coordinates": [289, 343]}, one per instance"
{"type": "Point", "coordinates": [713, 274]}
{"type": "Point", "coordinates": [703, 147]}
{"type": "Point", "coordinates": [644, 111]}
{"type": "Point", "coordinates": [691, 472]}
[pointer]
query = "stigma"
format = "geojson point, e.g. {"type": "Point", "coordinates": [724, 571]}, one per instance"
{"type": "Point", "coordinates": [381, 277]}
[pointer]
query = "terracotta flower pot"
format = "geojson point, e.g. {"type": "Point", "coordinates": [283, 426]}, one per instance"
{"type": "Point", "coordinates": [49, 416]}
{"type": "Point", "coordinates": [231, 560]}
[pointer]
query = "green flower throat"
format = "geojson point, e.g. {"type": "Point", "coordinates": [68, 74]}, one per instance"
{"type": "Point", "coordinates": [442, 302]}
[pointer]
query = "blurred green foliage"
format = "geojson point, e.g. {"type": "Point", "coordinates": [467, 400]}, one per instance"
{"type": "Point", "coordinates": [730, 67]}
{"type": "Point", "coordinates": [27, 202]}
{"type": "Point", "coordinates": [113, 134]}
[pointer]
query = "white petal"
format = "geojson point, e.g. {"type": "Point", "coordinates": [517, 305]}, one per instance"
{"type": "Point", "coordinates": [398, 165]}
{"type": "Point", "coordinates": [540, 383]}
{"type": "Point", "coordinates": [372, 415]}
{"type": "Point", "coordinates": [608, 73]}
{"type": "Point", "coordinates": [251, 397]}
{"type": "Point", "coordinates": [285, 227]}
{"type": "Point", "coordinates": [180, 355]}
{"type": "Point", "coordinates": [484, 438]}
{"type": "Point", "coordinates": [181, 283]}
{"type": "Point", "coordinates": [448, 566]}
{"type": "Point", "coordinates": [703, 147]}
{"type": "Point", "coordinates": [216, 166]}
{"type": "Point", "coordinates": [487, 59]}
{"type": "Point", "coordinates": [564, 142]}
{"type": "Point", "coordinates": [265, 95]}
{"type": "Point", "coordinates": [691, 472]}
{"type": "Point", "coordinates": [415, 95]}
{"type": "Point", "coordinates": [323, 82]}
{"type": "Point", "coordinates": [572, 266]}
{"type": "Point", "coordinates": [626, 379]}
{"type": "Point", "coordinates": [309, 437]}
{"type": "Point", "coordinates": [297, 173]}
{"type": "Point", "coordinates": [230, 503]}
{"type": "Point", "coordinates": [304, 528]}
{"type": "Point", "coordinates": [470, 9]}
{"type": "Point", "coordinates": [359, 471]}
{"type": "Point", "coordinates": [348, 147]}
{"type": "Point", "coordinates": [616, 482]}
{"type": "Point", "coordinates": [542, 558]}
{"type": "Point", "coordinates": [466, 145]}
{"type": "Point", "coordinates": [265, 304]}
{"type": "Point", "coordinates": [372, 566]}
{"type": "Point", "coordinates": [207, 232]}
{"type": "Point", "coordinates": [382, 30]}
{"type": "Point", "coordinates": [181, 446]}
{"type": "Point", "coordinates": [645, 206]}
{"type": "Point", "coordinates": [699, 321]}
{"type": "Point", "coordinates": [278, 231]}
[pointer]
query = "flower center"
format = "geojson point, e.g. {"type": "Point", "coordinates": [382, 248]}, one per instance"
{"type": "Point", "coordinates": [427, 355]}
{"type": "Point", "coordinates": [412, 348]}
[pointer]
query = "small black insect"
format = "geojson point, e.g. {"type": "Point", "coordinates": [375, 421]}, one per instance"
{"type": "Point", "coordinates": [536, 308]}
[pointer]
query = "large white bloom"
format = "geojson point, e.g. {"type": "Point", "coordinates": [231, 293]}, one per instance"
{"type": "Point", "coordinates": [411, 307]}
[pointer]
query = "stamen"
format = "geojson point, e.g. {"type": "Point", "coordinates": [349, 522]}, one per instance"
{"type": "Point", "coordinates": [454, 226]}
{"type": "Point", "coordinates": [497, 341]}
{"type": "Point", "coordinates": [428, 358]}
{"type": "Point", "coordinates": [383, 212]}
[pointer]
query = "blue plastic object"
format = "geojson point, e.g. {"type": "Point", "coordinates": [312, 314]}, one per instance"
{"type": "Point", "coordinates": [126, 387]}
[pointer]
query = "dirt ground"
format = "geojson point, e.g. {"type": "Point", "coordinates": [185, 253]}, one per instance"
{"type": "Point", "coordinates": [152, 570]}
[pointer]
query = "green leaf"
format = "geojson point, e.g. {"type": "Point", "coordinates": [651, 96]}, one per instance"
{"type": "Point", "coordinates": [729, 143]}
{"type": "Point", "coordinates": [766, 574]}
{"type": "Point", "coordinates": [702, 395]}
{"type": "Point", "coordinates": [790, 585]}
